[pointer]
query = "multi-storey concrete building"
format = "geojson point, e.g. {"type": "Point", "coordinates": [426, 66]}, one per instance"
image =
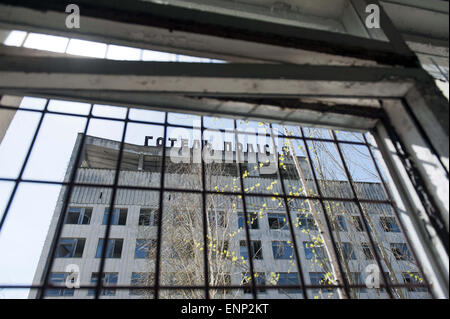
{"type": "Point", "coordinates": [130, 251]}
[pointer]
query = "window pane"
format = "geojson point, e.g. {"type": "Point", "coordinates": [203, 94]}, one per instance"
{"type": "Point", "coordinates": [255, 249]}
{"type": "Point", "coordinates": [15, 38]}
{"type": "Point", "coordinates": [288, 279]}
{"type": "Point", "coordinates": [86, 48]}
{"type": "Point", "coordinates": [59, 279]}
{"type": "Point", "coordinates": [113, 248]}
{"type": "Point", "coordinates": [117, 52]}
{"type": "Point", "coordinates": [119, 216]}
{"type": "Point", "coordinates": [70, 248]}
{"type": "Point", "coordinates": [260, 279]}
{"type": "Point", "coordinates": [145, 248]}
{"type": "Point", "coordinates": [73, 216]}
{"type": "Point", "coordinates": [46, 42]}
{"type": "Point", "coordinates": [108, 279]}
{"type": "Point", "coordinates": [252, 221]}
{"type": "Point", "coordinates": [278, 221]}
{"type": "Point", "coordinates": [282, 250]}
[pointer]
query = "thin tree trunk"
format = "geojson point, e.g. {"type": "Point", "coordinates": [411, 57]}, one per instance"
{"type": "Point", "coordinates": [331, 253]}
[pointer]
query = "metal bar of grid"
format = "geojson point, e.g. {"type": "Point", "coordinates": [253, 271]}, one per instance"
{"type": "Point", "coordinates": [161, 214]}
{"type": "Point", "coordinates": [334, 251]}
{"type": "Point", "coordinates": [111, 210]}
{"type": "Point", "coordinates": [289, 218]}
{"type": "Point", "coordinates": [397, 217]}
{"type": "Point", "coordinates": [68, 194]}
{"type": "Point", "coordinates": [246, 215]}
{"type": "Point", "coordinates": [204, 214]}
{"type": "Point", "coordinates": [362, 215]}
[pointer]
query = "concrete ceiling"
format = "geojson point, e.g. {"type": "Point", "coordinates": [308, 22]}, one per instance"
{"type": "Point", "coordinates": [322, 8]}
{"type": "Point", "coordinates": [416, 19]}
{"type": "Point", "coordinates": [419, 21]}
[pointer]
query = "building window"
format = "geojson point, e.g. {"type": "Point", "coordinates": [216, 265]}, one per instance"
{"type": "Point", "coordinates": [148, 217]}
{"type": "Point", "coordinates": [306, 223]}
{"type": "Point", "coordinates": [340, 223]}
{"type": "Point", "coordinates": [119, 216]}
{"type": "Point", "coordinates": [356, 279]}
{"type": "Point", "coordinates": [142, 279]}
{"type": "Point", "coordinates": [59, 279]}
{"type": "Point", "coordinates": [349, 252]}
{"type": "Point", "coordinates": [400, 251]}
{"type": "Point", "coordinates": [282, 250]}
{"type": "Point", "coordinates": [260, 280]}
{"type": "Point", "coordinates": [70, 248]}
{"type": "Point", "coordinates": [253, 220]}
{"type": "Point", "coordinates": [389, 280]}
{"type": "Point", "coordinates": [288, 279]}
{"type": "Point", "coordinates": [255, 249]}
{"type": "Point", "coordinates": [414, 278]}
{"type": "Point", "coordinates": [108, 279]}
{"type": "Point", "coordinates": [367, 251]}
{"type": "Point", "coordinates": [113, 248]}
{"type": "Point", "coordinates": [318, 279]}
{"type": "Point", "coordinates": [312, 251]}
{"type": "Point", "coordinates": [357, 223]}
{"type": "Point", "coordinates": [79, 216]}
{"type": "Point", "coordinates": [278, 221]}
{"type": "Point", "coordinates": [389, 224]}
{"type": "Point", "coordinates": [145, 248]}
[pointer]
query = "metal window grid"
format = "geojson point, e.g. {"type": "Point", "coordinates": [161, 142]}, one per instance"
{"type": "Point", "coordinates": [71, 183]}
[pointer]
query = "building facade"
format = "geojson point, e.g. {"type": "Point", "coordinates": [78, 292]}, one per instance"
{"type": "Point", "coordinates": [130, 252]}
